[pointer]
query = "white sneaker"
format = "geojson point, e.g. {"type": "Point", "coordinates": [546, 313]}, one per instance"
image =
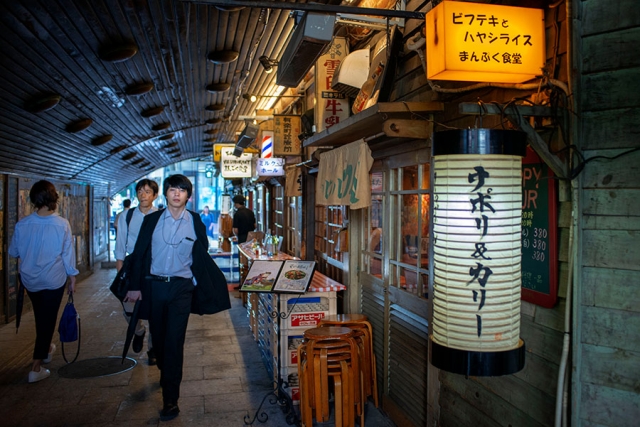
{"type": "Point", "coordinates": [37, 376]}
{"type": "Point", "coordinates": [50, 355]}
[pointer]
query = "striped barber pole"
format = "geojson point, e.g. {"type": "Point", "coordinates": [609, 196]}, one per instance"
{"type": "Point", "coordinates": [266, 151]}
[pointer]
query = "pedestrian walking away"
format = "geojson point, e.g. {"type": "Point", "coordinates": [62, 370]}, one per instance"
{"type": "Point", "coordinates": [43, 243]}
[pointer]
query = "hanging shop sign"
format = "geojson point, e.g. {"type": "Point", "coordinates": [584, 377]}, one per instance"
{"type": "Point", "coordinates": [293, 182]}
{"type": "Point", "coordinates": [285, 138]}
{"type": "Point", "coordinates": [273, 166]}
{"type": "Point", "coordinates": [484, 42]}
{"type": "Point", "coordinates": [539, 232]}
{"type": "Point", "coordinates": [343, 176]}
{"type": "Point", "coordinates": [332, 107]}
{"type": "Point", "coordinates": [477, 255]}
{"type": "Point", "coordinates": [217, 151]}
{"type": "Point", "coordinates": [235, 167]}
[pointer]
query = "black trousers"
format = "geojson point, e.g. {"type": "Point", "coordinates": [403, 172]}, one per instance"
{"type": "Point", "coordinates": [45, 304]}
{"type": "Point", "coordinates": [170, 309]}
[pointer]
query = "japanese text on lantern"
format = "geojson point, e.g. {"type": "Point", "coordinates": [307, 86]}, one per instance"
{"type": "Point", "coordinates": [482, 208]}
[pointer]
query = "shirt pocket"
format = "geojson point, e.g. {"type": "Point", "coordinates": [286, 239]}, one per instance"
{"type": "Point", "coordinates": [185, 248]}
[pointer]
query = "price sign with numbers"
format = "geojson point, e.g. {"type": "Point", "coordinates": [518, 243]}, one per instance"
{"type": "Point", "coordinates": [539, 232]}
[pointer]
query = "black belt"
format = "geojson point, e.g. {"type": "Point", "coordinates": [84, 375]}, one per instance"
{"type": "Point", "coordinates": [165, 278]}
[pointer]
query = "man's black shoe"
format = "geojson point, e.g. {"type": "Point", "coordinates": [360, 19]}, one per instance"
{"type": "Point", "coordinates": [169, 412]}
{"type": "Point", "coordinates": [152, 357]}
{"type": "Point", "coordinates": [138, 340]}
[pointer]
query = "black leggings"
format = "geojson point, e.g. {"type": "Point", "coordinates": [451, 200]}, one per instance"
{"type": "Point", "coordinates": [46, 304]}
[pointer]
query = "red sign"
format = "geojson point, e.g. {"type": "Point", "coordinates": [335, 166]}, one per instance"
{"type": "Point", "coordinates": [306, 319]}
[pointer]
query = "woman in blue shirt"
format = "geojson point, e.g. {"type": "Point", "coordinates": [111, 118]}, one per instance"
{"type": "Point", "coordinates": [44, 244]}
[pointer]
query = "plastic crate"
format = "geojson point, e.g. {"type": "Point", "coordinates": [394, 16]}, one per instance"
{"type": "Point", "coordinates": [306, 311]}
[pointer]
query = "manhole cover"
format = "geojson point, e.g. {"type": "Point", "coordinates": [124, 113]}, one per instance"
{"type": "Point", "coordinates": [98, 367]}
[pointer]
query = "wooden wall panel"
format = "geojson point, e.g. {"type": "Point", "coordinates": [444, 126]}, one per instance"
{"type": "Point", "coordinates": [611, 174]}
{"type": "Point", "coordinates": [609, 407]}
{"type": "Point", "coordinates": [615, 128]}
{"type": "Point", "coordinates": [610, 51]}
{"type": "Point", "coordinates": [602, 202]}
{"type": "Point", "coordinates": [599, 16]}
{"type": "Point", "coordinates": [611, 328]}
{"type": "Point", "coordinates": [611, 249]}
{"type": "Point", "coordinates": [610, 89]}
{"type": "Point", "coordinates": [485, 402]}
{"type": "Point", "coordinates": [611, 367]}
{"type": "Point", "coordinates": [609, 288]}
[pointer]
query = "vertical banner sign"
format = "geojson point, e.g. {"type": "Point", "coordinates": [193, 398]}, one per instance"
{"type": "Point", "coordinates": [293, 182]}
{"type": "Point", "coordinates": [235, 167]}
{"type": "Point", "coordinates": [484, 42]}
{"type": "Point", "coordinates": [539, 232]}
{"type": "Point", "coordinates": [285, 138]}
{"type": "Point", "coordinates": [331, 106]}
{"type": "Point", "coordinates": [266, 148]}
{"type": "Point", "coordinates": [343, 176]}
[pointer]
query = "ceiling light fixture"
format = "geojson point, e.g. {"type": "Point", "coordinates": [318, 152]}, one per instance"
{"type": "Point", "coordinates": [42, 103]}
{"type": "Point", "coordinates": [223, 56]}
{"type": "Point", "coordinates": [79, 125]}
{"type": "Point", "coordinates": [267, 63]}
{"type": "Point", "coordinates": [218, 87]}
{"type": "Point", "coordinates": [254, 98]}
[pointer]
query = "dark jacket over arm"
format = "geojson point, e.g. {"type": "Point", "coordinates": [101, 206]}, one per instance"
{"type": "Point", "coordinates": [209, 296]}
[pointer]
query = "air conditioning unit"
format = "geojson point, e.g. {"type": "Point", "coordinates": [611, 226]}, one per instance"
{"type": "Point", "coordinates": [310, 37]}
{"type": "Point", "coordinates": [248, 135]}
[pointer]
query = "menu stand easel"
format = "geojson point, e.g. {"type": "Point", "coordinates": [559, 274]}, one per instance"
{"type": "Point", "coordinates": [278, 394]}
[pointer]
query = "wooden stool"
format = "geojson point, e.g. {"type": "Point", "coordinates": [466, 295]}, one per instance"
{"type": "Point", "coordinates": [360, 322]}
{"type": "Point", "coordinates": [329, 352]}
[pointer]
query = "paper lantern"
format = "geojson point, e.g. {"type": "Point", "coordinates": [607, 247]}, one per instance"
{"type": "Point", "coordinates": [477, 218]}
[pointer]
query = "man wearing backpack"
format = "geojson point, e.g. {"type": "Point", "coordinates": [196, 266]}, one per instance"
{"type": "Point", "coordinates": [129, 227]}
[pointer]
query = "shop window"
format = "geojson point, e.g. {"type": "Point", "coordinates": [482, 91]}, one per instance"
{"type": "Point", "coordinates": [404, 193]}
{"type": "Point", "coordinates": [330, 254]}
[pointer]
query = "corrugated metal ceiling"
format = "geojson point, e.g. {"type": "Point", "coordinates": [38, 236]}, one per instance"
{"type": "Point", "coordinates": [53, 48]}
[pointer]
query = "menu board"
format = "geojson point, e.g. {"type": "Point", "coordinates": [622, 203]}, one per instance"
{"type": "Point", "coordinates": [290, 276]}
{"type": "Point", "coordinates": [539, 232]}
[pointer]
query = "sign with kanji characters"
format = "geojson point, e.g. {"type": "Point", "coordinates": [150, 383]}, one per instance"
{"type": "Point", "coordinates": [343, 176]}
{"type": "Point", "coordinates": [332, 107]}
{"type": "Point", "coordinates": [273, 166]}
{"type": "Point", "coordinates": [484, 42]}
{"type": "Point", "coordinates": [235, 167]}
{"type": "Point", "coordinates": [217, 151]}
{"type": "Point", "coordinates": [285, 137]}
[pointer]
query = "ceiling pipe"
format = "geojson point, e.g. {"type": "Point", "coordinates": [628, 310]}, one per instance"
{"type": "Point", "coordinates": [314, 7]}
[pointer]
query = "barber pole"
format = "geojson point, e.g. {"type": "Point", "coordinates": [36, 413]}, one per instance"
{"type": "Point", "coordinates": [266, 151]}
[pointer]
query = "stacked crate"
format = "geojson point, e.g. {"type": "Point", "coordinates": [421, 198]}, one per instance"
{"type": "Point", "coordinates": [304, 312]}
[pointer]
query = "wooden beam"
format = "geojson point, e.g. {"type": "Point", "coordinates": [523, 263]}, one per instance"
{"type": "Point", "coordinates": [417, 129]}
{"type": "Point", "coordinates": [516, 114]}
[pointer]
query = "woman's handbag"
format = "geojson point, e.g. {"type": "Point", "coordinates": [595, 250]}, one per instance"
{"type": "Point", "coordinates": [69, 327]}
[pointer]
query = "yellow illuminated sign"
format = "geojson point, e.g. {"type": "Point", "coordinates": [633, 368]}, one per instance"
{"type": "Point", "coordinates": [484, 42]}
{"type": "Point", "coordinates": [217, 150]}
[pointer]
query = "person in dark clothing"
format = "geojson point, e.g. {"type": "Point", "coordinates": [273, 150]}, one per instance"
{"type": "Point", "coordinates": [244, 220]}
{"type": "Point", "coordinates": [173, 276]}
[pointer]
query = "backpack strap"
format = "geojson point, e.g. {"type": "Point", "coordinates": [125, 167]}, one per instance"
{"type": "Point", "coordinates": [129, 216]}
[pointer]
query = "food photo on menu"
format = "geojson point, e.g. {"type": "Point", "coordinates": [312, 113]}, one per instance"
{"type": "Point", "coordinates": [295, 276]}
{"type": "Point", "coordinates": [261, 276]}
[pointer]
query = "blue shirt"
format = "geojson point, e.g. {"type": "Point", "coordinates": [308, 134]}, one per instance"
{"type": "Point", "coordinates": [45, 247]}
{"type": "Point", "coordinates": [172, 244]}
{"type": "Point", "coordinates": [127, 236]}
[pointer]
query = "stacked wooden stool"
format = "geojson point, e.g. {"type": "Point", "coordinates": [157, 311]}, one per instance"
{"type": "Point", "coordinates": [330, 352]}
{"type": "Point", "coordinates": [359, 323]}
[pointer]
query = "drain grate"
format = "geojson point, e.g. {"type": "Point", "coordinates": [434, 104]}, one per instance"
{"type": "Point", "coordinates": [98, 367]}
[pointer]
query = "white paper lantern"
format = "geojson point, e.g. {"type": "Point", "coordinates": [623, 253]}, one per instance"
{"type": "Point", "coordinates": [477, 220]}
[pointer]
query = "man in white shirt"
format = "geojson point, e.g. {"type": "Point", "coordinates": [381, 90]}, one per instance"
{"type": "Point", "coordinates": [126, 204]}
{"type": "Point", "coordinates": [173, 276]}
{"type": "Point", "coordinates": [129, 225]}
